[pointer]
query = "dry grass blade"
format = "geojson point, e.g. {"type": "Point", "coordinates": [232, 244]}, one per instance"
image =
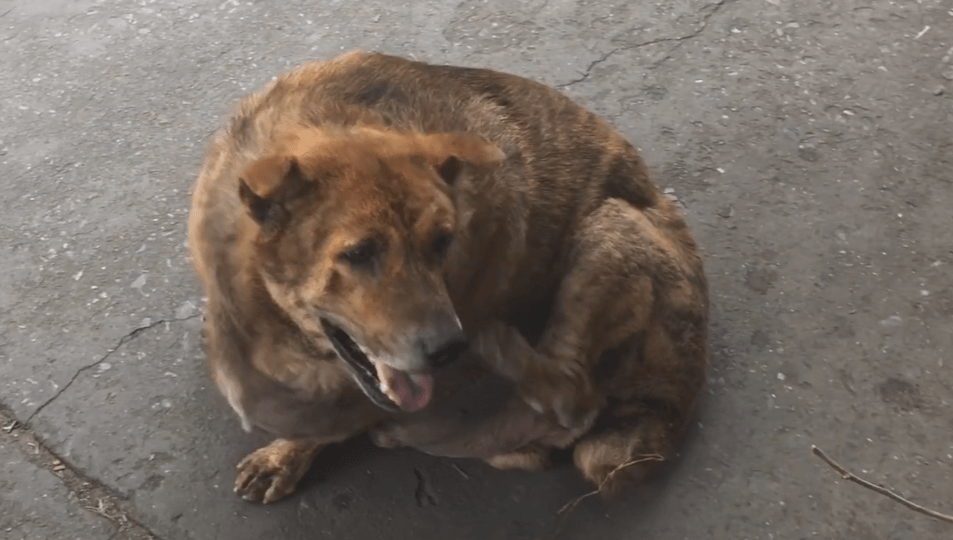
{"type": "Point", "coordinates": [846, 475]}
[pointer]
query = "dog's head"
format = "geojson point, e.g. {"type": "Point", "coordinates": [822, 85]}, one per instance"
{"type": "Point", "coordinates": [353, 227]}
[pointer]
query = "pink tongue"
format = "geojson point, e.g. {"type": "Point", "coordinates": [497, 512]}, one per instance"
{"type": "Point", "coordinates": [412, 395]}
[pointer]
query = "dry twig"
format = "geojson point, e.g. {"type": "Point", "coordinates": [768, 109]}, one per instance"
{"type": "Point", "coordinates": [879, 489]}
{"type": "Point", "coordinates": [605, 481]}
{"type": "Point", "coordinates": [461, 471]}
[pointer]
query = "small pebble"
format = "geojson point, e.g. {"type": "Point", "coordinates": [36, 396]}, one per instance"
{"type": "Point", "coordinates": [726, 211]}
{"type": "Point", "coordinates": [185, 310]}
{"type": "Point", "coordinates": [892, 321]}
{"type": "Point", "coordinates": [140, 282]}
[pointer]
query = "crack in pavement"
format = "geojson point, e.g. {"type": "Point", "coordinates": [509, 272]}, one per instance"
{"type": "Point", "coordinates": [122, 341]}
{"type": "Point", "coordinates": [423, 493]}
{"type": "Point", "coordinates": [91, 495]}
{"type": "Point", "coordinates": [95, 497]}
{"type": "Point", "coordinates": [713, 8]}
{"type": "Point", "coordinates": [593, 64]}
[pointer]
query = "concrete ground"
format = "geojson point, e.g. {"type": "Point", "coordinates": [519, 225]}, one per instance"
{"type": "Point", "coordinates": [810, 142]}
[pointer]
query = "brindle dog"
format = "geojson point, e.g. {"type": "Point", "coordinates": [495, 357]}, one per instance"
{"type": "Point", "coordinates": [455, 259]}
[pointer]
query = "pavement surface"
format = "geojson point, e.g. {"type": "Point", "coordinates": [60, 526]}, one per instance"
{"type": "Point", "coordinates": [810, 142]}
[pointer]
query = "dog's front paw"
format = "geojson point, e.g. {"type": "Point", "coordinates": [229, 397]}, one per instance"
{"type": "Point", "coordinates": [386, 436]}
{"type": "Point", "coordinates": [529, 459]}
{"type": "Point", "coordinates": [567, 397]}
{"type": "Point", "coordinates": [563, 391]}
{"type": "Point", "coordinates": [271, 473]}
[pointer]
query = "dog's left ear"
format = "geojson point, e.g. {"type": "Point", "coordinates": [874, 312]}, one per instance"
{"type": "Point", "coordinates": [451, 153]}
{"type": "Point", "coordinates": [266, 187]}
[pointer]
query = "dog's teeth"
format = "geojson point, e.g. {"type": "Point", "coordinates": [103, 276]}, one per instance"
{"type": "Point", "coordinates": [386, 390]}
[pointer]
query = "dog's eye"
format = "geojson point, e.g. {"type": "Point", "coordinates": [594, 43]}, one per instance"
{"type": "Point", "coordinates": [441, 243]}
{"type": "Point", "coordinates": [360, 254]}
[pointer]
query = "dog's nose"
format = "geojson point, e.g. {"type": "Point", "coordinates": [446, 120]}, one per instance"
{"type": "Point", "coordinates": [449, 350]}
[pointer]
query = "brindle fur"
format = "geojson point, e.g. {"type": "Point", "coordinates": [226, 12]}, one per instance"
{"type": "Point", "coordinates": [577, 281]}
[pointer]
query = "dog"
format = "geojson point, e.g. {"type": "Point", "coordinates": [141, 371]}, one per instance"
{"type": "Point", "coordinates": [454, 259]}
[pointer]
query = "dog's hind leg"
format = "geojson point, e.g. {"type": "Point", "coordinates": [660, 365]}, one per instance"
{"type": "Point", "coordinates": [652, 382]}
{"type": "Point", "coordinates": [614, 458]}
{"type": "Point", "coordinates": [635, 281]}
{"type": "Point", "coordinates": [271, 473]}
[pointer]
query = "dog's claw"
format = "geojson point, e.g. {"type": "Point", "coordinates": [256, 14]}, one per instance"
{"type": "Point", "coordinates": [535, 405]}
{"type": "Point", "coordinates": [577, 421]}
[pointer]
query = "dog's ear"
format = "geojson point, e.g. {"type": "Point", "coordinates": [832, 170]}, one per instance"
{"type": "Point", "coordinates": [451, 153]}
{"type": "Point", "coordinates": [266, 187]}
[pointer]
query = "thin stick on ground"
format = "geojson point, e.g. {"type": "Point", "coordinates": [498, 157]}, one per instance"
{"type": "Point", "coordinates": [461, 471]}
{"type": "Point", "coordinates": [605, 481]}
{"type": "Point", "coordinates": [879, 489]}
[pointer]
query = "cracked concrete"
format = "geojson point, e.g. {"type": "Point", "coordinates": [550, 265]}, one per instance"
{"type": "Point", "coordinates": [122, 341]}
{"type": "Point", "coordinates": [709, 10]}
{"type": "Point", "coordinates": [37, 505]}
{"type": "Point", "coordinates": [809, 143]}
{"type": "Point", "coordinates": [64, 502]}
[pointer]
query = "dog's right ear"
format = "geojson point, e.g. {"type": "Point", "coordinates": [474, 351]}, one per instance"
{"type": "Point", "coordinates": [450, 153]}
{"type": "Point", "coordinates": [266, 187]}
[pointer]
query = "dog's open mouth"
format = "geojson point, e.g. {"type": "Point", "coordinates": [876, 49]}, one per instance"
{"type": "Point", "coordinates": [388, 387]}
